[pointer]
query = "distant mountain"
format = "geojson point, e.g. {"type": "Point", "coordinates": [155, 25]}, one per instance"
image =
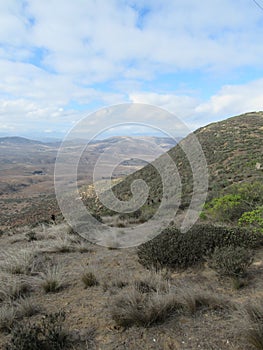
{"type": "Point", "coordinates": [18, 140]}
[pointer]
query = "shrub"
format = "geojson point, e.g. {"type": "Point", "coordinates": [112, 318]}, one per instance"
{"type": "Point", "coordinates": [48, 334]}
{"type": "Point", "coordinates": [174, 249]}
{"type": "Point", "coordinates": [251, 193]}
{"type": "Point", "coordinates": [231, 261]}
{"type": "Point", "coordinates": [253, 219]}
{"type": "Point", "coordinates": [227, 208]}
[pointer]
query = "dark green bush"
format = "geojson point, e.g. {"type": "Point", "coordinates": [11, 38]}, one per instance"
{"type": "Point", "coordinates": [174, 249]}
{"type": "Point", "coordinates": [231, 261]}
{"type": "Point", "coordinates": [48, 334]}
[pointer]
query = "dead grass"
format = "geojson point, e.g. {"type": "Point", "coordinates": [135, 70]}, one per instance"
{"type": "Point", "coordinates": [89, 279]}
{"type": "Point", "coordinates": [52, 279]}
{"type": "Point", "coordinates": [141, 309]}
{"type": "Point", "coordinates": [14, 287]}
{"type": "Point", "coordinates": [196, 299]}
{"type": "Point", "coordinates": [8, 316]}
{"type": "Point", "coordinates": [18, 262]}
{"type": "Point", "coordinates": [27, 307]}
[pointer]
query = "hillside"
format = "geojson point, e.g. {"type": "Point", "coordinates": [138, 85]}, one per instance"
{"type": "Point", "coordinates": [182, 291]}
{"type": "Point", "coordinates": [233, 149]}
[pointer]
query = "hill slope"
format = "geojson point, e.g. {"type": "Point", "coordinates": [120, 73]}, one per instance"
{"type": "Point", "coordinates": [234, 153]}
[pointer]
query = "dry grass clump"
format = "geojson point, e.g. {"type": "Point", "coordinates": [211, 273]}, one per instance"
{"type": "Point", "coordinates": [18, 262]}
{"type": "Point", "coordinates": [26, 307]}
{"type": "Point", "coordinates": [66, 241]}
{"type": "Point", "coordinates": [253, 327]}
{"type": "Point", "coordinates": [153, 300]}
{"type": "Point", "coordinates": [196, 299]}
{"type": "Point", "coordinates": [52, 279]}
{"type": "Point", "coordinates": [89, 279]}
{"type": "Point", "coordinates": [8, 316]}
{"type": "Point", "coordinates": [142, 309]}
{"type": "Point", "coordinates": [83, 247]}
{"type": "Point", "coordinates": [152, 282]}
{"type": "Point", "coordinates": [11, 312]}
{"type": "Point", "coordinates": [62, 244]}
{"type": "Point", "coordinates": [13, 288]}
{"type": "Point", "coordinates": [119, 280]}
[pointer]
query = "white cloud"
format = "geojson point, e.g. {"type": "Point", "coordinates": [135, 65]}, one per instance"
{"type": "Point", "coordinates": [235, 99]}
{"type": "Point", "coordinates": [55, 53]}
{"type": "Point", "coordinates": [229, 101]}
{"type": "Point", "coordinates": [181, 106]}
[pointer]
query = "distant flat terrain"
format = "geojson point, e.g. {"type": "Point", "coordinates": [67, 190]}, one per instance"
{"type": "Point", "coordinates": [27, 171]}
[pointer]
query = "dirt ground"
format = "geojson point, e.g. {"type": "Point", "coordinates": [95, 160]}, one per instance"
{"type": "Point", "coordinates": [88, 311]}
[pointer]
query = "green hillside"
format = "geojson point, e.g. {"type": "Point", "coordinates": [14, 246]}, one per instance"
{"type": "Point", "coordinates": [234, 153]}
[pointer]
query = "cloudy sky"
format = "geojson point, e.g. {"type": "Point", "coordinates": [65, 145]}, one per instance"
{"type": "Point", "coordinates": [61, 60]}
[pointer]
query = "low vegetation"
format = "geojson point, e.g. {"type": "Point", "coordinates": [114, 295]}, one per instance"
{"type": "Point", "coordinates": [177, 250]}
{"type": "Point", "coordinates": [89, 279]}
{"type": "Point", "coordinates": [231, 261]}
{"type": "Point", "coordinates": [52, 279]}
{"type": "Point", "coordinates": [172, 292]}
{"type": "Point", "coordinates": [143, 309]}
{"type": "Point", "coordinates": [45, 334]}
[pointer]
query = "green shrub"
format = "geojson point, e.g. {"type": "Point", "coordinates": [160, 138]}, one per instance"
{"type": "Point", "coordinates": [48, 334]}
{"type": "Point", "coordinates": [231, 261]}
{"type": "Point", "coordinates": [253, 219]}
{"type": "Point", "coordinates": [251, 193]}
{"type": "Point", "coordinates": [174, 249]}
{"type": "Point", "coordinates": [227, 208]}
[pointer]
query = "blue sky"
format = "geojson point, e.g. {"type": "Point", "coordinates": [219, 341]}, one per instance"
{"type": "Point", "coordinates": [61, 60]}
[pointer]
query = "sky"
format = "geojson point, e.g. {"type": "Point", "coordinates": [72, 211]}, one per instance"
{"type": "Point", "coordinates": [63, 60]}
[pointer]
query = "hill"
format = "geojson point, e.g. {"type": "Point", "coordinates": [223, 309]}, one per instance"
{"type": "Point", "coordinates": [17, 140]}
{"type": "Point", "coordinates": [233, 149]}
